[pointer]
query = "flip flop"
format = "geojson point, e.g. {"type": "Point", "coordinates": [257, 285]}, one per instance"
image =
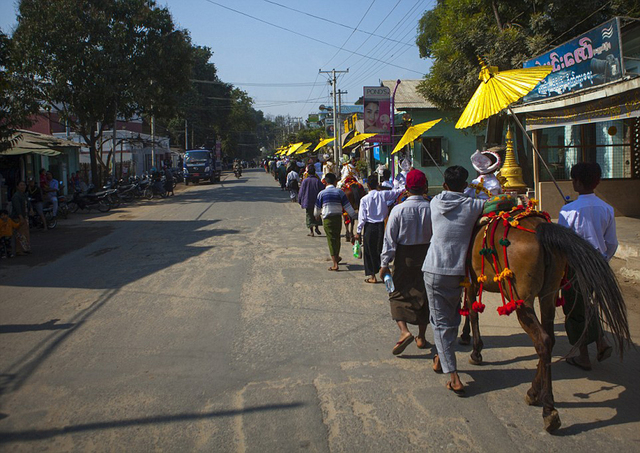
{"type": "Point", "coordinates": [604, 354]}
{"type": "Point", "coordinates": [426, 344]}
{"type": "Point", "coordinates": [333, 270]}
{"type": "Point", "coordinates": [439, 369]}
{"type": "Point", "coordinates": [402, 345]}
{"type": "Point", "coordinates": [367, 280]}
{"type": "Point", "coordinates": [459, 392]}
{"type": "Point", "coordinates": [573, 362]}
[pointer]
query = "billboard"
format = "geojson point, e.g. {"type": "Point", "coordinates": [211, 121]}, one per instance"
{"type": "Point", "coordinates": [591, 59]}
{"type": "Point", "coordinates": [377, 113]}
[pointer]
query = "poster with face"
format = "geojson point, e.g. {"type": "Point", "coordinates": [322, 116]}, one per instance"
{"type": "Point", "coordinates": [377, 113]}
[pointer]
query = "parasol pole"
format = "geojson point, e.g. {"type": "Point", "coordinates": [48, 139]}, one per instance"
{"type": "Point", "coordinates": [432, 159]}
{"type": "Point", "coordinates": [564, 199]}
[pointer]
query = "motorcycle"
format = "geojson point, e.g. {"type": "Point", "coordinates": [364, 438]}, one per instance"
{"type": "Point", "coordinates": [88, 201]}
{"type": "Point", "coordinates": [156, 187]}
{"type": "Point", "coordinates": [35, 221]}
{"type": "Point", "coordinates": [237, 172]}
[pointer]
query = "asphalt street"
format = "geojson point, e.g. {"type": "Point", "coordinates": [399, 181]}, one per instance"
{"type": "Point", "coordinates": [209, 322]}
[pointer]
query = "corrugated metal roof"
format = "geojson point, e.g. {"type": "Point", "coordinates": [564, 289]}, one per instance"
{"type": "Point", "coordinates": [407, 96]}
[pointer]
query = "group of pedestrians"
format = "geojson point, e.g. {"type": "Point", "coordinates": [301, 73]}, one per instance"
{"type": "Point", "coordinates": [423, 245]}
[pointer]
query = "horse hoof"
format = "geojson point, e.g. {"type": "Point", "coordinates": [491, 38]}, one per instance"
{"type": "Point", "coordinates": [475, 359]}
{"type": "Point", "coordinates": [552, 421]}
{"type": "Point", "coordinates": [531, 401]}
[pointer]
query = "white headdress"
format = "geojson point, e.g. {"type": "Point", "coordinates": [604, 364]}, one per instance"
{"type": "Point", "coordinates": [405, 164]}
{"type": "Point", "coordinates": [485, 162]}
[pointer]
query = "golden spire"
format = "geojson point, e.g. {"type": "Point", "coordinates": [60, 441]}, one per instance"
{"type": "Point", "coordinates": [510, 170]}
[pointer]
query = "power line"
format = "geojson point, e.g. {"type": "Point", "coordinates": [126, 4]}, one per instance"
{"type": "Point", "coordinates": [327, 20]}
{"type": "Point", "coordinates": [307, 36]}
{"type": "Point", "coordinates": [354, 30]}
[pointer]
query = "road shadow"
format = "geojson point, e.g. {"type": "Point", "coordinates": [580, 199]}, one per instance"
{"type": "Point", "coordinates": [7, 437]}
{"type": "Point", "coordinates": [49, 325]}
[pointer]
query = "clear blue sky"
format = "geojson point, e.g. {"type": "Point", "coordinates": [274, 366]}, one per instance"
{"type": "Point", "coordinates": [248, 52]}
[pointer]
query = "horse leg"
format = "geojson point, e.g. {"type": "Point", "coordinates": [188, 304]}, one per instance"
{"type": "Point", "coordinates": [476, 354]}
{"type": "Point", "coordinates": [347, 228]}
{"type": "Point", "coordinates": [541, 389]}
{"type": "Point", "coordinates": [465, 337]}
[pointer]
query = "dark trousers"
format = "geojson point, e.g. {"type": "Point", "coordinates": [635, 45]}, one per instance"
{"type": "Point", "coordinates": [5, 245]}
{"type": "Point", "coordinates": [372, 240]}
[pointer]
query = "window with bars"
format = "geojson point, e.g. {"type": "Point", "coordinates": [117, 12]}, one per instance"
{"type": "Point", "coordinates": [612, 144]}
{"type": "Point", "coordinates": [432, 146]}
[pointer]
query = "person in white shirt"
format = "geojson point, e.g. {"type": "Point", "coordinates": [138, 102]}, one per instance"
{"type": "Point", "coordinates": [405, 166]}
{"type": "Point", "coordinates": [373, 211]}
{"type": "Point", "coordinates": [593, 220]}
{"type": "Point", "coordinates": [52, 192]}
{"type": "Point", "coordinates": [406, 241]}
{"type": "Point", "coordinates": [293, 184]}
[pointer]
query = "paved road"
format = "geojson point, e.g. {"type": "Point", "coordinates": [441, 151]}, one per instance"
{"type": "Point", "coordinates": [209, 322]}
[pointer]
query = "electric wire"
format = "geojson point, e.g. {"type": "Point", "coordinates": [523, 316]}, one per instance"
{"type": "Point", "coordinates": [303, 35]}
{"type": "Point", "coordinates": [347, 40]}
{"type": "Point", "coordinates": [326, 20]}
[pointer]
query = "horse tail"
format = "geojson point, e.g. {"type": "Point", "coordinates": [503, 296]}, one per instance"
{"type": "Point", "coordinates": [593, 277]}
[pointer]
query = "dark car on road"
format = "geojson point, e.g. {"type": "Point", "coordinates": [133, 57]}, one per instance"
{"type": "Point", "coordinates": [201, 164]}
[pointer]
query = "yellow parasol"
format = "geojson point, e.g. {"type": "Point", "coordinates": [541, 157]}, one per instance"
{"type": "Point", "coordinates": [303, 148]}
{"type": "Point", "coordinates": [293, 148]}
{"type": "Point", "coordinates": [357, 139]}
{"type": "Point", "coordinates": [413, 133]}
{"type": "Point", "coordinates": [498, 91]}
{"type": "Point", "coordinates": [324, 142]}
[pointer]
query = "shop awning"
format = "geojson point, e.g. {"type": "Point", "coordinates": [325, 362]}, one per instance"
{"type": "Point", "coordinates": [26, 142]}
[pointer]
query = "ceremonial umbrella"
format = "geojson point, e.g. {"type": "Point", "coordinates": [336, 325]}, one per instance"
{"type": "Point", "coordinates": [497, 91]}
{"type": "Point", "coordinates": [357, 139]}
{"type": "Point", "coordinates": [293, 148]}
{"type": "Point", "coordinates": [303, 148]}
{"type": "Point", "coordinates": [324, 142]}
{"type": "Point", "coordinates": [413, 133]}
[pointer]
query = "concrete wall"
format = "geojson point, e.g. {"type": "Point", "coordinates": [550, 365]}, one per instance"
{"type": "Point", "coordinates": [622, 194]}
{"type": "Point", "coordinates": [460, 145]}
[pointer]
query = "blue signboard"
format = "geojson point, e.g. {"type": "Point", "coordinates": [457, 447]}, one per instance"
{"type": "Point", "coordinates": [376, 152]}
{"type": "Point", "coordinates": [591, 59]}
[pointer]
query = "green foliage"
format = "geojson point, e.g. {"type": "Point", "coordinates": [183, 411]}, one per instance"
{"type": "Point", "coordinates": [503, 32]}
{"type": "Point", "coordinates": [17, 95]}
{"type": "Point", "coordinates": [93, 59]}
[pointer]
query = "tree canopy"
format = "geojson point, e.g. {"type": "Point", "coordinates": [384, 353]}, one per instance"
{"type": "Point", "coordinates": [94, 59]}
{"type": "Point", "coordinates": [504, 33]}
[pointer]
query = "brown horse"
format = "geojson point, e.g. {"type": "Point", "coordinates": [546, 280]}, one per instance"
{"type": "Point", "coordinates": [354, 193]}
{"type": "Point", "coordinates": [538, 259]}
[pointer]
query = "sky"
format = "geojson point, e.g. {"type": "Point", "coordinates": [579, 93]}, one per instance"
{"type": "Point", "coordinates": [275, 53]}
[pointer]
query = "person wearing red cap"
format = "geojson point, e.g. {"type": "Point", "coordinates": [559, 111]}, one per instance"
{"type": "Point", "coordinates": [406, 241]}
{"type": "Point", "coordinates": [373, 210]}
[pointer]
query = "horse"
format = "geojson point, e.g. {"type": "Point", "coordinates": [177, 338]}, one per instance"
{"type": "Point", "coordinates": [354, 192]}
{"type": "Point", "coordinates": [533, 254]}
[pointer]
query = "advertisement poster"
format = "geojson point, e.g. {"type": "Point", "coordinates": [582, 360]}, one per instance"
{"type": "Point", "coordinates": [591, 59]}
{"type": "Point", "coordinates": [377, 113]}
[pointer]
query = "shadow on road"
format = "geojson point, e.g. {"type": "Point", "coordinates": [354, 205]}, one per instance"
{"type": "Point", "coordinates": [40, 434]}
{"type": "Point", "coordinates": [49, 325]}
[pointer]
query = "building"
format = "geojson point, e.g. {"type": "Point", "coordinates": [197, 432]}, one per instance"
{"type": "Point", "coordinates": [441, 146]}
{"type": "Point", "coordinates": [588, 110]}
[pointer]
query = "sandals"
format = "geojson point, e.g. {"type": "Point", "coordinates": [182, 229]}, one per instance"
{"type": "Point", "coordinates": [437, 368]}
{"type": "Point", "coordinates": [573, 362]}
{"type": "Point", "coordinates": [333, 270]}
{"type": "Point", "coordinates": [368, 280]}
{"type": "Point", "coordinates": [425, 345]}
{"type": "Point", "coordinates": [402, 345]}
{"type": "Point", "coordinates": [459, 392]}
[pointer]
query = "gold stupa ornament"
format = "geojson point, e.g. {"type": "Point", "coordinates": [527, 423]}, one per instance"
{"type": "Point", "coordinates": [511, 173]}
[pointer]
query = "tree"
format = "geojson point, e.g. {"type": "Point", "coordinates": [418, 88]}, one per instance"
{"type": "Point", "coordinates": [95, 60]}
{"type": "Point", "coordinates": [17, 95]}
{"type": "Point", "coordinates": [502, 32]}
{"type": "Point", "coordinates": [205, 106]}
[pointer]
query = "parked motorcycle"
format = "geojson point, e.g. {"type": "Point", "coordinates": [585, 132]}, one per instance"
{"type": "Point", "coordinates": [88, 201]}
{"type": "Point", "coordinates": [35, 221]}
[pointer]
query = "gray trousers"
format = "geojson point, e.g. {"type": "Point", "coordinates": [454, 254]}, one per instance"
{"type": "Point", "coordinates": [443, 294]}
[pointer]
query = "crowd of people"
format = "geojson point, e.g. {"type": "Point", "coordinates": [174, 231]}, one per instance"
{"type": "Point", "coordinates": [28, 199]}
{"type": "Point", "coordinates": [422, 243]}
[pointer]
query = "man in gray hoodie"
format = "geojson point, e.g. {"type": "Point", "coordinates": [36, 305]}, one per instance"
{"type": "Point", "coordinates": [453, 216]}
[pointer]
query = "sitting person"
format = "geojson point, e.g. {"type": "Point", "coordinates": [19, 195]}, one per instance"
{"type": "Point", "coordinates": [486, 184]}
{"type": "Point", "coordinates": [7, 226]}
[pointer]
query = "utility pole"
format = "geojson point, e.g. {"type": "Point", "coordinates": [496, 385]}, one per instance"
{"type": "Point", "coordinates": [340, 93]}
{"type": "Point", "coordinates": [337, 146]}
{"type": "Point", "coordinates": [186, 135]}
{"type": "Point", "coordinates": [153, 141]}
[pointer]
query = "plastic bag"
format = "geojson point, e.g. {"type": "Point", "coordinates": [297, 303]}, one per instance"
{"type": "Point", "coordinates": [357, 250]}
